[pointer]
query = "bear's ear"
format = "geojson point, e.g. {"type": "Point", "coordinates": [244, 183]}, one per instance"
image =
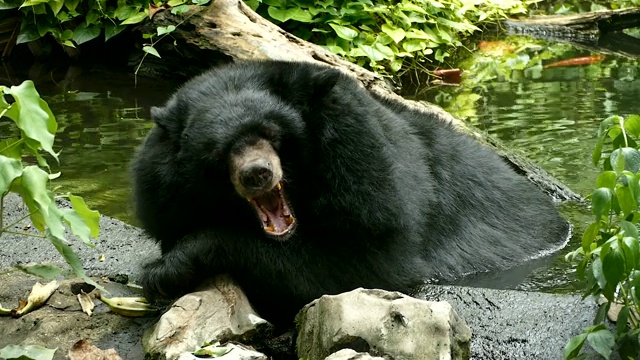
{"type": "Point", "coordinates": [323, 81]}
{"type": "Point", "coordinates": [303, 84]}
{"type": "Point", "coordinates": [169, 118]}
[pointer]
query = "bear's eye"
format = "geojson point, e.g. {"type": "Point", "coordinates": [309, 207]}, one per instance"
{"type": "Point", "coordinates": [272, 135]}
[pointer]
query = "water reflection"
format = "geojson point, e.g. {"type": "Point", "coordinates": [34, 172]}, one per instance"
{"type": "Point", "coordinates": [101, 118]}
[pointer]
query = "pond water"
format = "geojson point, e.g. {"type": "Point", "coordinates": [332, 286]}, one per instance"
{"type": "Point", "coordinates": [548, 114]}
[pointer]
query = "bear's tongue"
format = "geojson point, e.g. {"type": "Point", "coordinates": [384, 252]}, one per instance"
{"type": "Point", "coordinates": [274, 212]}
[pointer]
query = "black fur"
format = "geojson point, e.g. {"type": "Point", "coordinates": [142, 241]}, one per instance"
{"type": "Point", "coordinates": [385, 196]}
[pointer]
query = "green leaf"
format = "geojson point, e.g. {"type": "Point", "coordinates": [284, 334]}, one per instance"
{"type": "Point", "coordinates": [625, 158]}
{"type": "Point", "coordinates": [91, 217]}
{"type": "Point", "coordinates": [165, 29]}
{"type": "Point", "coordinates": [628, 229]}
{"type": "Point", "coordinates": [124, 12]}
{"type": "Point", "coordinates": [460, 26]}
{"type": "Point", "coordinates": [71, 4]}
{"type": "Point", "coordinates": [34, 117]}
{"type": "Point", "coordinates": [344, 32]}
{"type": "Point", "coordinates": [55, 5]}
{"type": "Point", "coordinates": [179, 9]}
{"type": "Point", "coordinates": [12, 148]}
{"type": "Point", "coordinates": [601, 202]}
{"type": "Point", "coordinates": [597, 151]}
{"type": "Point", "coordinates": [397, 34]}
{"type": "Point", "coordinates": [34, 352]}
{"type": "Point", "coordinates": [34, 184]}
{"type": "Point", "coordinates": [407, 6]}
{"type": "Point", "coordinates": [136, 18]}
{"type": "Point", "coordinates": [625, 199]}
{"type": "Point", "coordinates": [111, 30]}
{"type": "Point", "coordinates": [92, 17]}
{"type": "Point", "coordinates": [573, 347]}
{"type": "Point", "coordinates": [73, 260]}
{"type": "Point", "coordinates": [621, 321]}
{"type": "Point", "coordinates": [45, 271]}
{"type": "Point", "coordinates": [33, 3]}
{"type": "Point", "coordinates": [151, 50]}
{"type": "Point", "coordinates": [84, 33]}
{"type": "Point", "coordinates": [10, 4]}
{"type": "Point", "coordinates": [10, 169]}
{"type": "Point", "coordinates": [632, 125]}
{"type": "Point", "coordinates": [607, 179]}
{"type": "Point", "coordinates": [612, 261]}
{"type": "Point", "coordinates": [589, 236]}
{"type": "Point", "coordinates": [630, 251]}
{"type": "Point", "coordinates": [602, 341]}
{"type": "Point", "coordinates": [414, 45]}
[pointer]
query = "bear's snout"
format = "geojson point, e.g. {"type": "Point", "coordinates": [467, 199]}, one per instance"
{"type": "Point", "coordinates": [256, 175]}
{"type": "Point", "coordinates": [255, 169]}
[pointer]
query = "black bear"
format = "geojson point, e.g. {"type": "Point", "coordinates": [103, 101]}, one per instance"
{"type": "Point", "coordinates": [298, 182]}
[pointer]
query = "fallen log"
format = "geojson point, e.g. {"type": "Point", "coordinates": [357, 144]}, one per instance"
{"type": "Point", "coordinates": [229, 30]}
{"type": "Point", "coordinates": [599, 31]}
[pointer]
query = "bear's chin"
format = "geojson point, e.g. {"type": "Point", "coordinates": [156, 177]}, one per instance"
{"type": "Point", "coordinates": [274, 213]}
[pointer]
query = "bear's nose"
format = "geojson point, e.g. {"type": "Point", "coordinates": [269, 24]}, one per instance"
{"type": "Point", "coordinates": [256, 176]}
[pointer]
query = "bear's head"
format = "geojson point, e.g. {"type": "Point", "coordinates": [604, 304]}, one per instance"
{"type": "Point", "coordinates": [242, 129]}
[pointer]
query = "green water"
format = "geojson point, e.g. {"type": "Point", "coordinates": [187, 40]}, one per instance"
{"type": "Point", "coordinates": [102, 117]}
{"type": "Point", "coordinates": [548, 114]}
{"type": "Point", "coordinates": [551, 115]}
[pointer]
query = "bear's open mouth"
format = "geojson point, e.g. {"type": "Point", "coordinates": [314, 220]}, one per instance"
{"type": "Point", "coordinates": [274, 212]}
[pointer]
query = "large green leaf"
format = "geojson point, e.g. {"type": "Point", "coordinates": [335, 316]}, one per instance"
{"type": "Point", "coordinates": [45, 271]}
{"type": "Point", "coordinates": [135, 18]}
{"type": "Point", "coordinates": [601, 202]}
{"type": "Point", "coordinates": [632, 125]}
{"type": "Point", "coordinates": [344, 32]}
{"type": "Point", "coordinates": [83, 33]}
{"type": "Point", "coordinates": [11, 147]}
{"type": "Point", "coordinates": [602, 341]}
{"type": "Point", "coordinates": [573, 347]}
{"type": "Point", "coordinates": [10, 169]}
{"type": "Point", "coordinates": [90, 217]}
{"type": "Point", "coordinates": [612, 261]}
{"type": "Point", "coordinates": [33, 116]}
{"type": "Point", "coordinates": [625, 158]}
{"type": "Point", "coordinates": [34, 186]}
{"type": "Point", "coordinates": [396, 33]}
{"type": "Point", "coordinates": [111, 30]}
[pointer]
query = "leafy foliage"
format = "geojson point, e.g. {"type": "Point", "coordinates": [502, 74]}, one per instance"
{"type": "Point", "coordinates": [74, 22]}
{"type": "Point", "coordinates": [609, 258]}
{"type": "Point", "coordinates": [386, 35]}
{"type": "Point", "coordinates": [37, 125]}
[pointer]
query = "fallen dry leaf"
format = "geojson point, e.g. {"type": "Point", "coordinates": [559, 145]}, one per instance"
{"type": "Point", "coordinates": [85, 350]}
{"type": "Point", "coordinates": [38, 297]}
{"type": "Point", "coordinates": [86, 302]}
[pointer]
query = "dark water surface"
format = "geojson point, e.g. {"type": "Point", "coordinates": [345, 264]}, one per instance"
{"type": "Point", "coordinates": [550, 116]}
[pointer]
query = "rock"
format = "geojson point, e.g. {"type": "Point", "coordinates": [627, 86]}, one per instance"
{"type": "Point", "coordinates": [218, 313]}
{"type": "Point", "coordinates": [381, 323]}
{"type": "Point", "coordinates": [350, 354]}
